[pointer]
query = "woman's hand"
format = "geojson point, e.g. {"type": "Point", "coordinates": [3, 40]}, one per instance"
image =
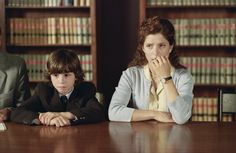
{"type": "Point", "coordinates": [163, 116]}
{"type": "Point", "coordinates": [144, 115]}
{"type": "Point", "coordinates": [160, 67]}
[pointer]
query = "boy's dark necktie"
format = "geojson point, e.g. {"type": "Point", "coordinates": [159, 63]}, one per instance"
{"type": "Point", "coordinates": [63, 100]}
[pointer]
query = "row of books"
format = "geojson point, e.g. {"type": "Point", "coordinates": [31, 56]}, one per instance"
{"type": "Point", "coordinates": [36, 66]}
{"type": "Point", "coordinates": [48, 3]}
{"type": "Point", "coordinates": [190, 2]}
{"type": "Point", "coordinates": [205, 109]}
{"type": "Point", "coordinates": [205, 31]}
{"type": "Point", "coordinates": [50, 31]}
{"type": "Point", "coordinates": [211, 70]}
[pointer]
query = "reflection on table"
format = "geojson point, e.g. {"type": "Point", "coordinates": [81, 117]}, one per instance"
{"type": "Point", "coordinates": [150, 137]}
{"type": "Point", "coordinates": [117, 137]}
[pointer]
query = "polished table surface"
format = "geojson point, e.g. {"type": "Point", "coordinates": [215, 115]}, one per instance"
{"type": "Point", "coordinates": [117, 137]}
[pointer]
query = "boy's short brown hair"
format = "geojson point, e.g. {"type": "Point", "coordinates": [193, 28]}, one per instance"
{"type": "Point", "coordinates": [64, 61]}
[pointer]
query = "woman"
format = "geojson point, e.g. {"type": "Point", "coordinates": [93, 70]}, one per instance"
{"type": "Point", "coordinates": [155, 83]}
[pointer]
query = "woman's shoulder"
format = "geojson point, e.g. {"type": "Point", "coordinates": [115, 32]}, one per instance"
{"type": "Point", "coordinates": [133, 70]}
{"type": "Point", "coordinates": [133, 74]}
{"type": "Point", "coordinates": [183, 74]}
{"type": "Point", "coordinates": [182, 71]}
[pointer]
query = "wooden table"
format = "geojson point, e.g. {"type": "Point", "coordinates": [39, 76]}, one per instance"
{"type": "Point", "coordinates": [116, 137]}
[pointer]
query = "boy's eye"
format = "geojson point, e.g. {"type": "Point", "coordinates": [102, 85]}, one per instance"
{"type": "Point", "coordinates": [67, 74]}
{"type": "Point", "coordinates": [55, 75]}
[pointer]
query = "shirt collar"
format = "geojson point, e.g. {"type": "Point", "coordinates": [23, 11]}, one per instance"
{"type": "Point", "coordinates": [68, 94]}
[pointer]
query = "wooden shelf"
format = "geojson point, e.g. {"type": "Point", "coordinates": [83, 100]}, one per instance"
{"type": "Point", "coordinates": [214, 85]}
{"type": "Point", "coordinates": [36, 12]}
{"type": "Point", "coordinates": [191, 12]}
{"type": "Point", "coordinates": [23, 8]}
{"type": "Point", "coordinates": [192, 6]}
{"type": "Point", "coordinates": [54, 45]}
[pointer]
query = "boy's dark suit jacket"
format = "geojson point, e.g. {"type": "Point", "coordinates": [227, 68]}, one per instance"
{"type": "Point", "coordinates": [82, 103]}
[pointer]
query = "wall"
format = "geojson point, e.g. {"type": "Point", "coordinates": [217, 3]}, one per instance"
{"type": "Point", "coordinates": [118, 32]}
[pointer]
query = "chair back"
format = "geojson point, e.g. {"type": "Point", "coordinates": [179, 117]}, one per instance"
{"type": "Point", "coordinates": [226, 102]}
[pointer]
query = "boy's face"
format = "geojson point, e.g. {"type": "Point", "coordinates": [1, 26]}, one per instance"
{"type": "Point", "coordinates": [63, 82]}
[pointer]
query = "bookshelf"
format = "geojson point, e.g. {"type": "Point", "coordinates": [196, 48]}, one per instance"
{"type": "Point", "coordinates": [206, 43]}
{"type": "Point", "coordinates": [33, 29]}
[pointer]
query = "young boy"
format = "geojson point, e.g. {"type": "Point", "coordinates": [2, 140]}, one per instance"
{"type": "Point", "coordinates": [65, 100]}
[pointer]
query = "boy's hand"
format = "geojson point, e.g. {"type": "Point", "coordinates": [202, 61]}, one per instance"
{"type": "Point", "coordinates": [68, 115]}
{"type": "Point", "coordinates": [45, 118]}
{"type": "Point", "coordinates": [60, 121]}
{"type": "Point", "coordinates": [57, 119]}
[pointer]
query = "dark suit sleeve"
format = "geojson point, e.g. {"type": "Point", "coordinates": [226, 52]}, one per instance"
{"type": "Point", "coordinates": [28, 111]}
{"type": "Point", "coordinates": [22, 91]}
{"type": "Point", "coordinates": [87, 108]}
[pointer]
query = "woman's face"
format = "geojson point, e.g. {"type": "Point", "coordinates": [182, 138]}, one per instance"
{"type": "Point", "coordinates": [156, 45]}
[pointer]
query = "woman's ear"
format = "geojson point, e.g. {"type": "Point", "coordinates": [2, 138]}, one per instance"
{"type": "Point", "coordinates": [142, 48]}
{"type": "Point", "coordinates": [171, 47]}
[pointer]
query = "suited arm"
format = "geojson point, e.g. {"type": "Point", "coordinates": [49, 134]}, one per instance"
{"type": "Point", "coordinates": [28, 112]}
{"type": "Point", "coordinates": [86, 108]}
{"type": "Point", "coordinates": [22, 91]}
{"type": "Point", "coordinates": [92, 112]}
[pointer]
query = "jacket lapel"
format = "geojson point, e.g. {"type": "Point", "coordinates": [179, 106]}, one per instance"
{"type": "Point", "coordinates": [3, 65]}
{"type": "Point", "coordinates": [75, 97]}
{"type": "Point", "coordinates": [2, 80]}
